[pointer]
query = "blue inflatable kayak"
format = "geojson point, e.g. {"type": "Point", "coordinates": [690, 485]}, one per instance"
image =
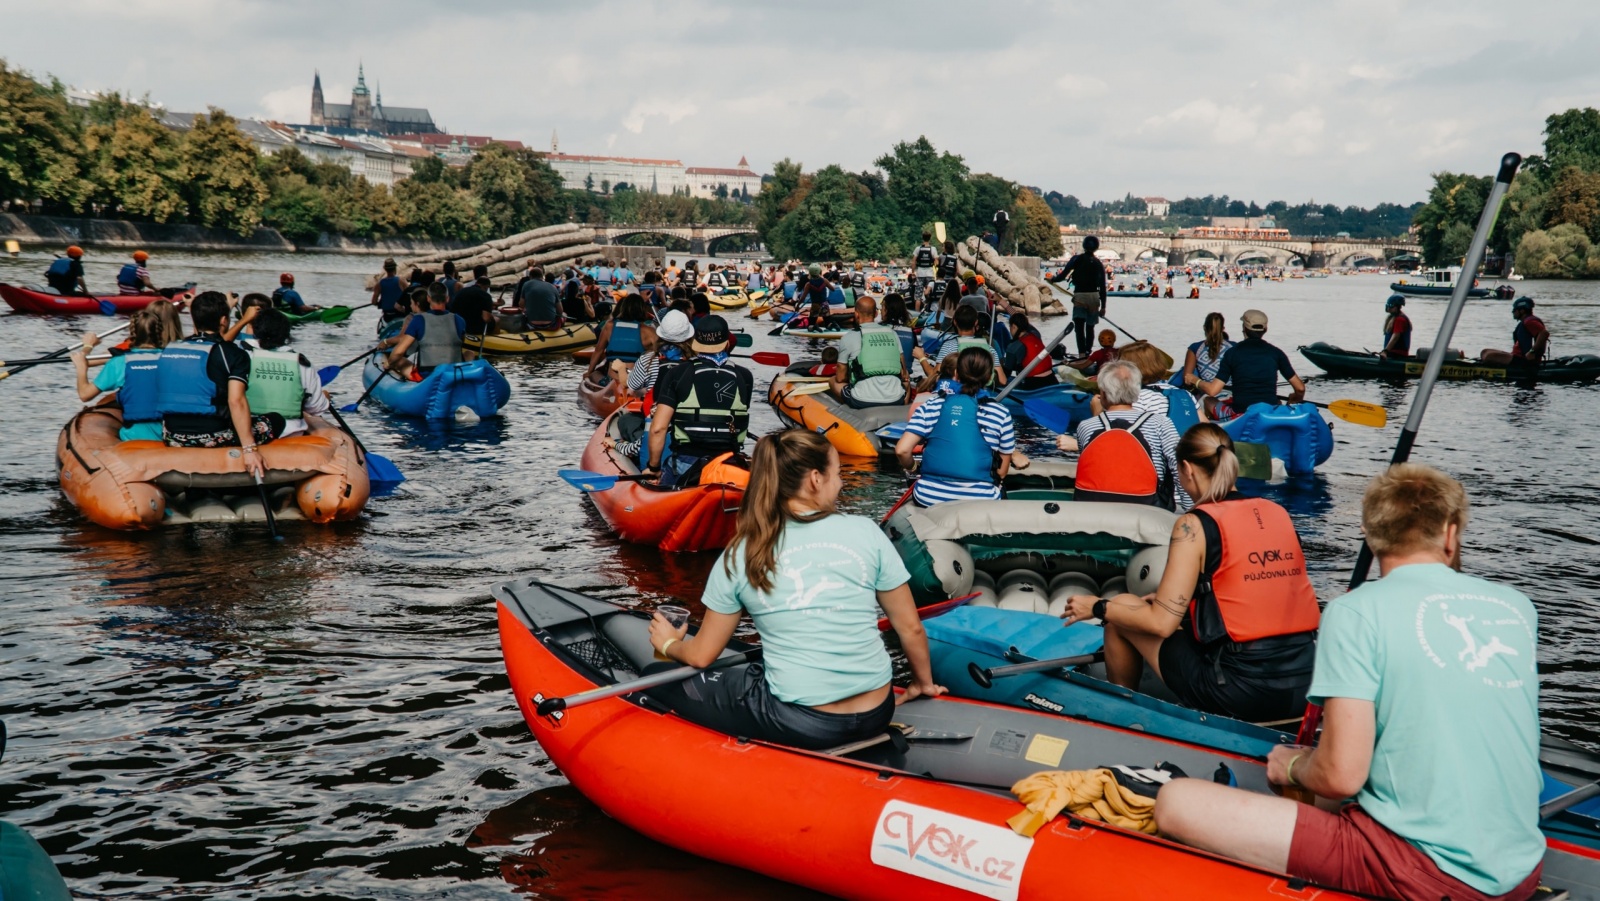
{"type": "Point", "coordinates": [477, 386]}
{"type": "Point", "coordinates": [1295, 433]}
{"type": "Point", "coordinates": [987, 637]}
{"type": "Point", "coordinates": [1064, 397]}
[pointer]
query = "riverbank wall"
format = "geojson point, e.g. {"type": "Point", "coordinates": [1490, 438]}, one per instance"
{"type": "Point", "coordinates": [53, 233]}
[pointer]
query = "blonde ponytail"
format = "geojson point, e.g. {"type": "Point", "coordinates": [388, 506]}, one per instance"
{"type": "Point", "coordinates": [1209, 449]}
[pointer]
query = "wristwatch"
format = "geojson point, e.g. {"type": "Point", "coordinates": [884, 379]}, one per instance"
{"type": "Point", "coordinates": [1099, 608]}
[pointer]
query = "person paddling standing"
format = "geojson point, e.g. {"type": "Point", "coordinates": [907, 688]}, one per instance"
{"type": "Point", "coordinates": [812, 580]}
{"type": "Point", "coordinates": [1088, 277]}
{"type": "Point", "coordinates": [387, 291]}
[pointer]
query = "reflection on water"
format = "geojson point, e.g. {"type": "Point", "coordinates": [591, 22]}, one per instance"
{"type": "Point", "coordinates": [201, 713]}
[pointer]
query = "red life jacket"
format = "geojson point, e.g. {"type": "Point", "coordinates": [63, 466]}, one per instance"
{"type": "Point", "coordinates": [1254, 584]}
{"type": "Point", "coordinates": [1118, 466]}
{"type": "Point", "coordinates": [1033, 346]}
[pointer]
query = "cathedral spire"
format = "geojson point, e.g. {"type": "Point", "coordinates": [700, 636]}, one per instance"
{"type": "Point", "coordinates": [555, 144]}
{"type": "Point", "coordinates": [361, 79]}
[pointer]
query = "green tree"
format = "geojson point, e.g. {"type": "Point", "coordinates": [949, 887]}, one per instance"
{"type": "Point", "coordinates": [39, 143]}
{"type": "Point", "coordinates": [1561, 252]}
{"type": "Point", "coordinates": [434, 210]}
{"type": "Point", "coordinates": [1575, 198]}
{"type": "Point", "coordinates": [814, 230]}
{"type": "Point", "coordinates": [929, 186]}
{"type": "Point", "coordinates": [1456, 199]}
{"type": "Point", "coordinates": [1572, 138]}
{"type": "Point", "coordinates": [774, 201]}
{"type": "Point", "coordinates": [515, 189]}
{"type": "Point", "coordinates": [588, 182]}
{"type": "Point", "coordinates": [990, 195]}
{"type": "Point", "coordinates": [134, 162]}
{"type": "Point", "coordinates": [295, 207]}
{"type": "Point", "coordinates": [217, 168]}
{"type": "Point", "coordinates": [1035, 229]}
{"type": "Point", "coordinates": [363, 210]}
{"type": "Point", "coordinates": [428, 170]}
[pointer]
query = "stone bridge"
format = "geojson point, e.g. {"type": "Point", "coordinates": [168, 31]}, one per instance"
{"type": "Point", "coordinates": [701, 238]}
{"type": "Point", "coordinates": [1313, 253]}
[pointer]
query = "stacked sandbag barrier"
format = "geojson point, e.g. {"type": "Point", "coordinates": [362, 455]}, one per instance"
{"type": "Point", "coordinates": [553, 245]}
{"type": "Point", "coordinates": [1009, 282]}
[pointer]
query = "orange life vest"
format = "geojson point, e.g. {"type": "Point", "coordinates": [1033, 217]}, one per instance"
{"type": "Point", "coordinates": [1254, 584]}
{"type": "Point", "coordinates": [1117, 465]}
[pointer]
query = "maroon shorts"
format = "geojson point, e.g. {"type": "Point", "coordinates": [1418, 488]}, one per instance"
{"type": "Point", "coordinates": [1352, 851]}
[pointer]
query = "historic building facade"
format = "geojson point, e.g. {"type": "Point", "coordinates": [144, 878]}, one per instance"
{"type": "Point", "coordinates": [366, 112]}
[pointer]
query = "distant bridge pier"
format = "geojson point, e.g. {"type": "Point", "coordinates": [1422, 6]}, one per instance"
{"type": "Point", "coordinates": [697, 241]}
{"type": "Point", "coordinates": [1176, 254]}
{"type": "Point", "coordinates": [1318, 258]}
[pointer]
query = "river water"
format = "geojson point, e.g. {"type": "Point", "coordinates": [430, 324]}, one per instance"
{"type": "Point", "coordinates": [199, 713]}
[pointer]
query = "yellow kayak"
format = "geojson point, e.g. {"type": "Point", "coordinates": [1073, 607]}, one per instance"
{"type": "Point", "coordinates": [569, 337]}
{"type": "Point", "coordinates": [722, 302]}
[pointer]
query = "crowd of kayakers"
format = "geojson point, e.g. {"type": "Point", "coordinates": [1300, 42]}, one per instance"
{"type": "Point", "coordinates": [1233, 628]}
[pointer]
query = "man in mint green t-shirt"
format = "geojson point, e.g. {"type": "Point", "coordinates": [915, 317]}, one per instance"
{"type": "Point", "coordinates": [1430, 687]}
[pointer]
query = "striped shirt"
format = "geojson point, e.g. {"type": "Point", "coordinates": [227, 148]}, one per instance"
{"type": "Point", "coordinates": [1158, 433]}
{"type": "Point", "coordinates": [952, 344]}
{"type": "Point", "coordinates": [142, 274]}
{"type": "Point", "coordinates": [994, 421]}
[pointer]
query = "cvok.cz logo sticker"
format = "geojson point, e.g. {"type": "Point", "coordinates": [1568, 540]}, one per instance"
{"type": "Point", "coordinates": [952, 850]}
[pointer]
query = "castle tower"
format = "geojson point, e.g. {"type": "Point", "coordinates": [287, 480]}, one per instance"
{"type": "Point", "coordinates": [361, 101]}
{"type": "Point", "coordinates": [316, 98]}
{"type": "Point", "coordinates": [379, 120]}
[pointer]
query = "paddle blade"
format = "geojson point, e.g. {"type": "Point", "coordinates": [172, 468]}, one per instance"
{"type": "Point", "coordinates": [803, 390]}
{"type": "Point", "coordinates": [383, 474]}
{"type": "Point", "coordinates": [328, 373]}
{"type": "Point", "coordinates": [1360, 412]}
{"type": "Point", "coordinates": [1255, 460]}
{"type": "Point", "coordinates": [768, 358]}
{"type": "Point", "coordinates": [1048, 415]}
{"type": "Point", "coordinates": [107, 307]}
{"type": "Point", "coordinates": [938, 232]}
{"type": "Point", "coordinates": [892, 431]}
{"type": "Point", "coordinates": [743, 340]}
{"type": "Point", "coordinates": [350, 408]}
{"type": "Point", "coordinates": [584, 480]}
{"type": "Point", "coordinates": [336, 314]}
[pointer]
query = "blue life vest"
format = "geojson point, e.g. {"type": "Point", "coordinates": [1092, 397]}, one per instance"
{"type": "Point", "coordinates": [128, 277]}
{"type": "Point", "coordinates": [389, 291]}
{"type": "Point", "coordinates": [788, 290]}
{"type": "Point", "coordinates": [624, 343]}
{"type": "Point", "coordinates": [182, 385]}
{"type": "Point", "coordinates": [61, 266]}
{"type": "Point", "coordinates": [1180, 406]}
{"type": "Point", "coordinates": [956, 449]}
{"type": "Point", "coordinates": [140, 393]}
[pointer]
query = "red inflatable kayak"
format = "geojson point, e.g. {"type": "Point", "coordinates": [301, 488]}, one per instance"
{"type": "Point", "coordinates": [698, 518]}
{"type": "Point", "coordinates": [924, 818]}
{"type": "Point", "coordinates": [602, 400]}
{"type": "Point", "coordinates": [34, 300]}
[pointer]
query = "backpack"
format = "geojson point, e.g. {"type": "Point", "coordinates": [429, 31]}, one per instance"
{"type": "Point", "coordinates": [1109, 466]}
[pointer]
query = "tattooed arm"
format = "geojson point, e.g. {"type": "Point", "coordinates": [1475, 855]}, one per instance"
{"type": "Point", "coordinates": [1161, 612]}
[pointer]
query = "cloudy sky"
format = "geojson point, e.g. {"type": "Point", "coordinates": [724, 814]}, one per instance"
{"type": "Point", "coordinates": [1343, 101]}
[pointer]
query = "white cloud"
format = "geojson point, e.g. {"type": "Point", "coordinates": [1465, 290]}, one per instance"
{"type": "Point", "coordinates": [671, 110]}
{"type": "Point", "coordinates": [286, 104]}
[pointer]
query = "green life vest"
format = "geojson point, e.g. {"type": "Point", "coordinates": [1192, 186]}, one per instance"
{"type": "Point", "coordinates": [275, 383]}
{"type": "Point", "coordinates": [880, 353]}
{"type": "Point", "coordinates": [967, 341]}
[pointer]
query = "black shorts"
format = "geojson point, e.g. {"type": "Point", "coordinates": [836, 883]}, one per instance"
{"type": "Point", "coordinates": [1187, 670]}
{"type": "Point", "coordinates": [738, 701]}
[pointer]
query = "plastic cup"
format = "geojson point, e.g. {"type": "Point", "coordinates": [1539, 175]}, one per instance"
{"type": "Point", "coordinates": [676, 616]}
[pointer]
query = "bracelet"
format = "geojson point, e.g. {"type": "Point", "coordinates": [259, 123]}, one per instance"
{"type": "Point", "coordinates": [1288, 772]}
{"type": "Point", "coordinates": [249, 449]}
{"type": "Point", "coordinates": [666, 644]}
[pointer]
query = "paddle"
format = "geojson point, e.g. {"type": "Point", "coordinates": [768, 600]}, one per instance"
{"type": "Point", "coordinates": [1033, 364]}
{"type": "Point", "coordinates": [584, 480]}
{"type": "Point", "coordinates": [19, 367]}
{"type": "Point", "coordinates": [1430, 375]}
{"type": "Point", "coordinates": [266, 507]}
{"type": "Point", "coordinates": [382, 374]}
{"type": "Point", "coordinates": [1562, 802]}
{"type": "Point", "coordinates": [1165, 357]}
{"type": "Point", "coordinates": [337, 313]}
{"type": "Point", "coordinates": [382, 474]}
{"type": "Point", "coordinates": [1355, 411]}
{"type": "Point", "coordinates": [40, 361]}
{"type": "Point", "coordinates": [328, 373]}
{"type": "Point", "coordinates": [106, 307]}
{"type": "Point", "coordinates": [767, 358]}
{"type": "Point", "coordinates": [551, 706]}
{"type": "Point", "coordinates": [805, 389]}
{"type": "Point", "coordinates": [985, 677]}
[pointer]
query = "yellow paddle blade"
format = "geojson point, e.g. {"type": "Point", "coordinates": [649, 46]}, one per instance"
{"type": "Point", "coordinates": [805, 379]}
{"type": "Point", "coordinates": [938, 232]}
{"type": "Point", "coordinates": [1360, 412]}
{"type": "Point", "coordinates": [803, 390]}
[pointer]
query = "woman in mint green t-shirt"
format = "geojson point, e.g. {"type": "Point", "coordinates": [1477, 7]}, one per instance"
{"type": "Point", "coordinates": [812, 580]}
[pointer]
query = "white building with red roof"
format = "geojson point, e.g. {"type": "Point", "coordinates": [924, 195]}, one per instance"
{"type": "Point", "coordinates": [709, 182]}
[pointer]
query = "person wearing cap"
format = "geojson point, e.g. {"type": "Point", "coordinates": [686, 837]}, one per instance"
{"type": "Point", "coordinates": [287, 298]}
{"type": "Point", "coordinates": [1251, 368]}
{"type": "Point", "coordinates": [704, 404]}
{"type": "Point", "coordinates": [872, 365]}
{"type": "Point", "coordinates": [134, 278]}
{"type": "Point", "coordinates": [673, 335]}
{"type": "Point", "coordinates": [1088, 277]}
{"type": "Point", "coordinates": [65, 275]}
{"type": "Point", "coordinates": [1528, 340]}
{"type": "Point", "coordinates": [1396, 329]}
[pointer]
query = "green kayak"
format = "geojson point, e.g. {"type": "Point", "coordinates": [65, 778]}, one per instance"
{"type": "Point", "coordinates": [331, 314]}
{"type": "Point", "coordinates": [1337, 361]}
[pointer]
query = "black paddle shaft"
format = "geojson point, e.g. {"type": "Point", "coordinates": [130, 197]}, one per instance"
{"type": "Point", "coordinates": [985, 677]}
{"type": "Point", "coordinates": [1447, 328]}
{"type": "Point", "coordinates": [551, 706]}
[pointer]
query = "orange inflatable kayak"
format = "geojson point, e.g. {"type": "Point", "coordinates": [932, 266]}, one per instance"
{"type": "Point", "coordinates": [145, 484]}
{"type": "Point", "coordinates": [697, 518]}
{"type": "Point", "coordinates": [852, 432]}
{"type": "Point", "coordinates": [923, 816]}
{"type": "Point", "coordinates": [602, 400]}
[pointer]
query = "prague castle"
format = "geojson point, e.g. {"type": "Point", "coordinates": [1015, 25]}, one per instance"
{"type": "Point", "coordinates": [366, 112]}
